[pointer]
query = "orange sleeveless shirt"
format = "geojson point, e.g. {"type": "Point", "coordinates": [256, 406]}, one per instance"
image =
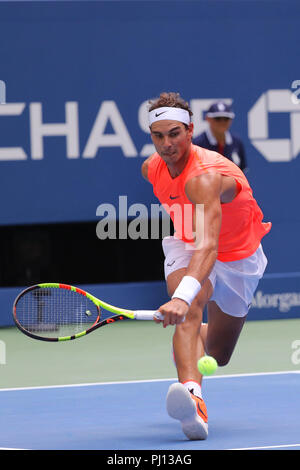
{"type": "Point", "coordinates": [242, 228]}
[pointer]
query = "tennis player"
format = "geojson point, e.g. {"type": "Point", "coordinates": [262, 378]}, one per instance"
{"type": "Point", "coordinates": [215, 257]}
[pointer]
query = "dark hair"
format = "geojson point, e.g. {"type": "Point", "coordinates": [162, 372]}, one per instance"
{"type": "Point", "coordinates": [170, 99]}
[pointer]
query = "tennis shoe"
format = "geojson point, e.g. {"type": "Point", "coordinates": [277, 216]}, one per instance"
{"type": "Point", "coordinates": [189, 409]}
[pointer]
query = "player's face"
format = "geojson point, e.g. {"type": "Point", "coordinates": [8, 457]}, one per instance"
{"type": "Point", "coordinates": [171, 139]}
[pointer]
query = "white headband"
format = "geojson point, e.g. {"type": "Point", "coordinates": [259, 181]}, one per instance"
{"type": "Point", "coordinates": [174, 114]}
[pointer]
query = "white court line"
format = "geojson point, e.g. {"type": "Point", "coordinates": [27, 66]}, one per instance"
{"type": "Point", "coordinates": [10, 448]}
{"type": "Point", "coordinates": [268, 447]}
{"type": "Point", "coordinates": [91, 384]}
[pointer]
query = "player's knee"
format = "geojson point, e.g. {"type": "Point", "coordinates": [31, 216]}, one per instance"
{"type": "Point", "coordinates": [192, 322]}
{"type": "Point", "coordinates": [222, 357]}
{"type": "Point", "coordinates": [195, 313]}
{"type": "Point", "coordinates": [223, 361]}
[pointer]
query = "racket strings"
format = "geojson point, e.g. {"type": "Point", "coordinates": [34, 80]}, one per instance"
{"type": "Point", "coordinates": [53, 312]}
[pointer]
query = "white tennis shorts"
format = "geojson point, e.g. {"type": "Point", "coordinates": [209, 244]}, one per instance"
{"type": "Point", "coordinates": [234, 282]}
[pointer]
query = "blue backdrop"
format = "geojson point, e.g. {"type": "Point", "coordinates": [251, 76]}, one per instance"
{"type": "Point", "coordinates": [78, 76]}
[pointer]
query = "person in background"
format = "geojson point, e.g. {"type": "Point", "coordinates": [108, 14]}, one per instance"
{"type": "Point", "coordinates": [218, 138]}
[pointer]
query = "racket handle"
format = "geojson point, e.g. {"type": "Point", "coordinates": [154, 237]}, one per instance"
{"type": "Point", "coordinates": [147, 315]}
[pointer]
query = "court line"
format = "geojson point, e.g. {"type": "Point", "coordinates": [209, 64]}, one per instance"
{"type": "Point", "coordinates": [10, 448]}
{"type": "Point", "coordinates": [91, 384]}
{"type": "Point", "coordinates": [268, 447]}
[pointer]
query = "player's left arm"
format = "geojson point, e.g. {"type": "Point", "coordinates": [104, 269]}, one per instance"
{"type": "Point", "coordinates": [204, 192]}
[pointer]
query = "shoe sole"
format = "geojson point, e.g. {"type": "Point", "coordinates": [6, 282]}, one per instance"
{"type": "Point", "coordinates": [181, 406]}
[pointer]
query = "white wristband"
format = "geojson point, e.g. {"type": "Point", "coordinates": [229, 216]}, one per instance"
{"type": "Point", "coordinates": [187, 289]}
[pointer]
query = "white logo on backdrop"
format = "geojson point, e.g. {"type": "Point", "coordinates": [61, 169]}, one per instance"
{"type": "Point", "coordinates": [98, 138]}
{"type": "Point", "coordinates": [272, 101]}
{"type": "Point", "coordinates": [275, 101]}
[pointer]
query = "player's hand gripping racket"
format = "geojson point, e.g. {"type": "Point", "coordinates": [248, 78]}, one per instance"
{"type": "Point", "coordinates": [59, 312]}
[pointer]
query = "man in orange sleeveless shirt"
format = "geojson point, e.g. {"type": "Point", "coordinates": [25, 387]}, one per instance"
{"type": "Point", "coordinates": [215, 257]}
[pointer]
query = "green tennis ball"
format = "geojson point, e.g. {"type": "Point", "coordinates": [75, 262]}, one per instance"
{"type": "Point", "coordinates": [207, 365]}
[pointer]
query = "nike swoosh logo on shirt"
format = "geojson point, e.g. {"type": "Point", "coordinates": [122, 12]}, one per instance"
{"type": "Point", "coordinates": [171, 264]}
{"type": "Point", "coordinates": [174, 197]}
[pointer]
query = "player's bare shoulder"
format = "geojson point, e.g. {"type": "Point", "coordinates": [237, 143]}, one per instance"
{"type": "Point", "coordinates": [204, 187]}
{"type": "Point", "coordinates": [145, 165]}
{"type": "Point", "coordinates": [211, 185]}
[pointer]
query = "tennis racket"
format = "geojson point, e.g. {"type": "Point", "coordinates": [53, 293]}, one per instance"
{"type": "Point", "coordinates": [59, 312]}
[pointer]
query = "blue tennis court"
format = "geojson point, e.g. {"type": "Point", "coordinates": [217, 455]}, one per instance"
{"type": "Point", "coordinates": [255, 411]}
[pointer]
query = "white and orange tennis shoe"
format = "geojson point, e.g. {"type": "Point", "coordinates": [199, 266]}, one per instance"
{"type": "Point", "coordinates": [189, 409]}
